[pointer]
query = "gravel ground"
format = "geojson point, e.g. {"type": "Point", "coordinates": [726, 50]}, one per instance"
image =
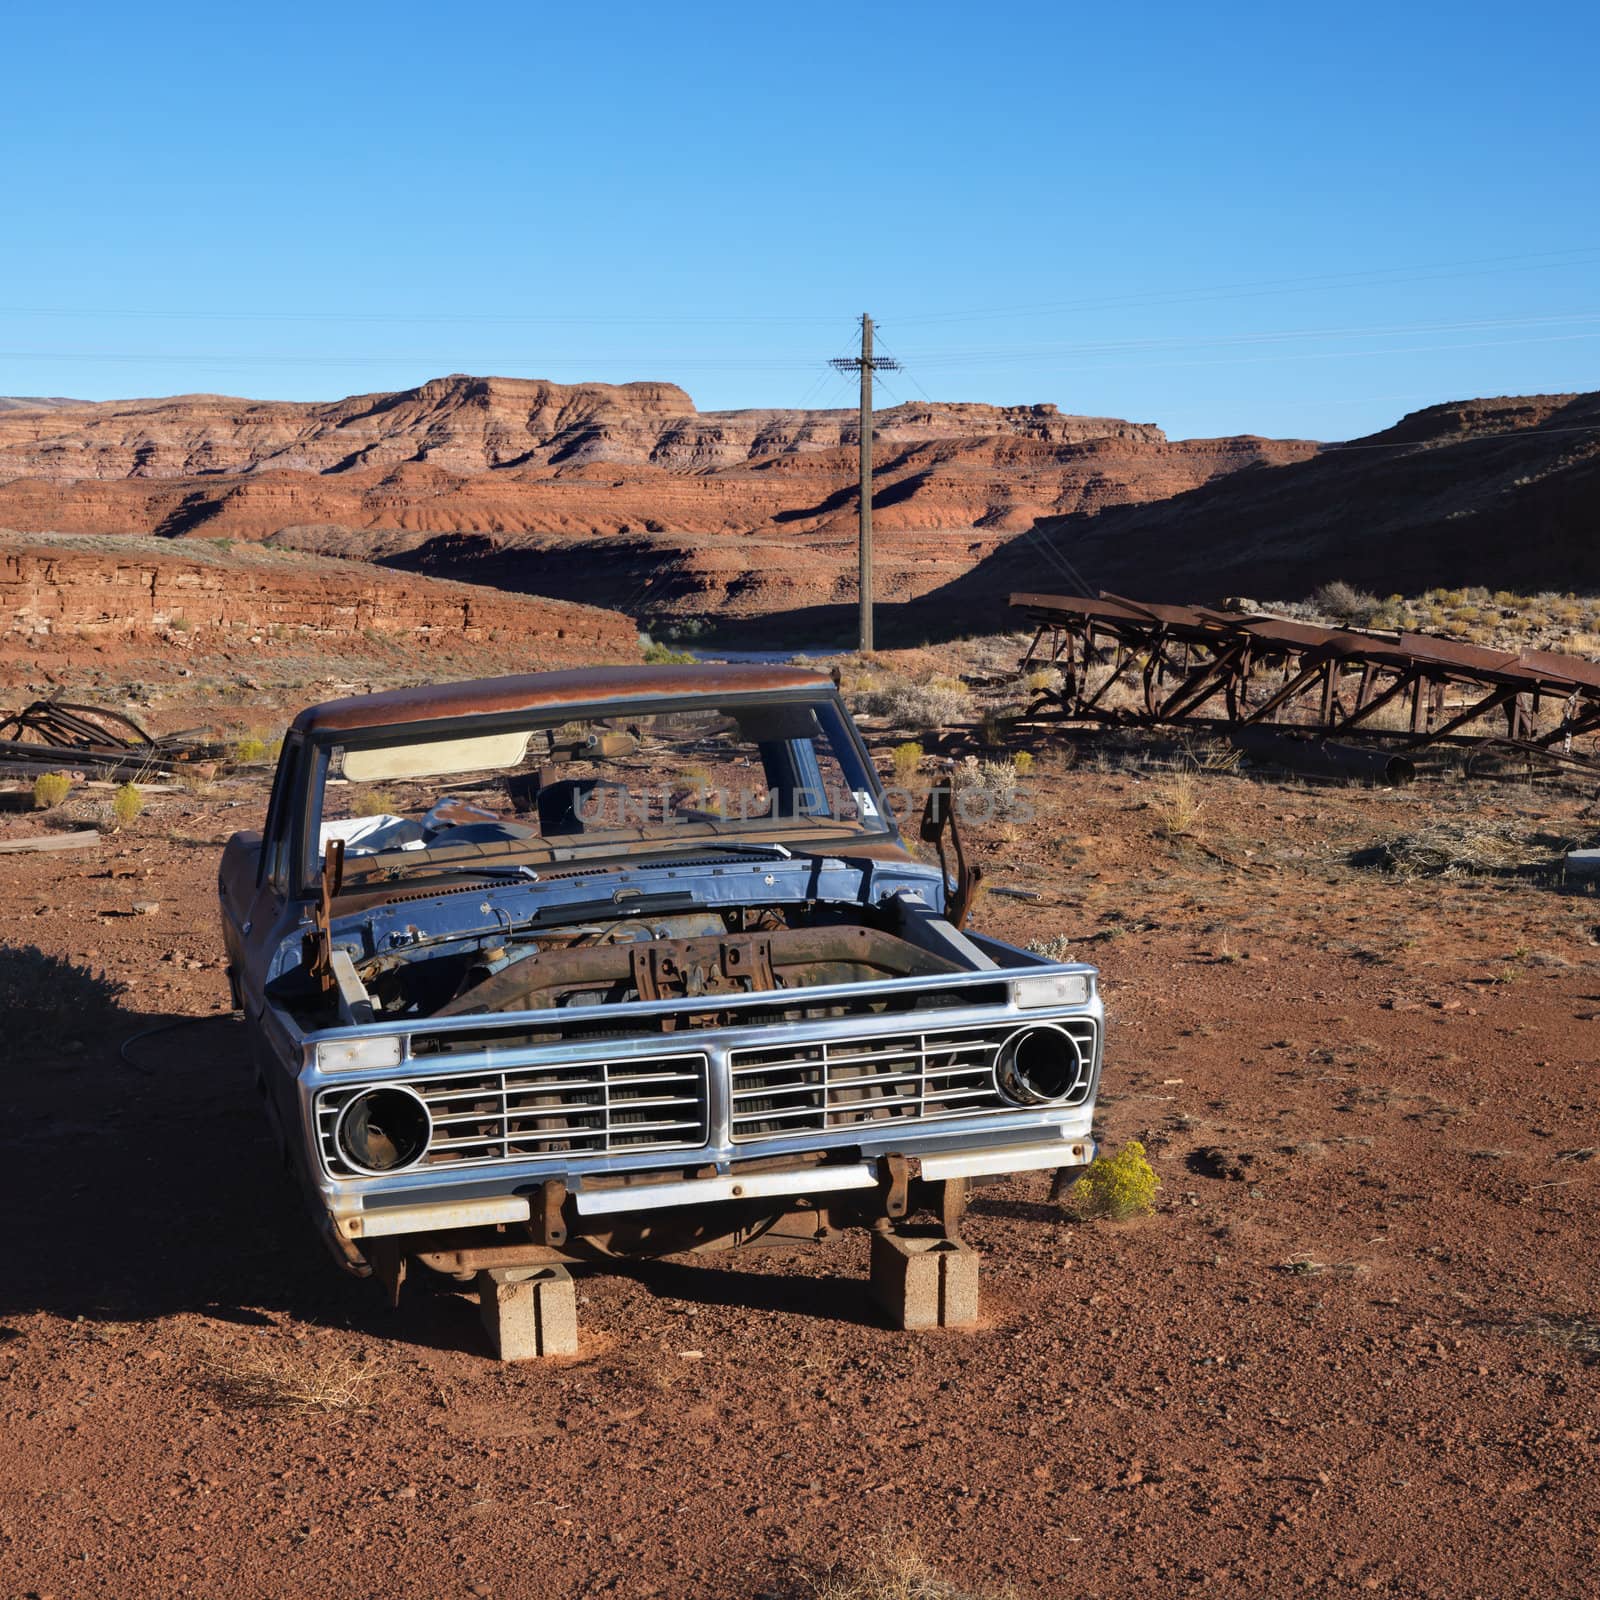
{"type": "Point", "coordinates": [1356, 1348]}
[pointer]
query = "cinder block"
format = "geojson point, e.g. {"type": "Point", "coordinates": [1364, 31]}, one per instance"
{"type": "Point", "coordinates": [529, 1311]}
{"type": "Point", "coordinates": [925, 1283]}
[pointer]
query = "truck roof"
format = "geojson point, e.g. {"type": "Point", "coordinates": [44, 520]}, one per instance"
{"type": "Point", "coordinates": [537, 691]}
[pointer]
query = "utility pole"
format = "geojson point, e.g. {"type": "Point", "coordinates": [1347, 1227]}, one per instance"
{"type": "Point", "coordinates": [865, 364]}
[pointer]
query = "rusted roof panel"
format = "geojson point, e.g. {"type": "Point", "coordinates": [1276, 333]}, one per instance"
{"type": "Point", "coordinates": [538, 691]}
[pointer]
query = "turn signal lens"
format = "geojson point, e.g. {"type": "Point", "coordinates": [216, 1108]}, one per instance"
{"type": "Point", "coordinates": [1064, 989]}
{"type": "Point", "coordinates": [351, 1055]}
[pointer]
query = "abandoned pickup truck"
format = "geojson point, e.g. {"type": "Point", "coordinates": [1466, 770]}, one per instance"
{"type": "Point", "coordinates": [624, 962]}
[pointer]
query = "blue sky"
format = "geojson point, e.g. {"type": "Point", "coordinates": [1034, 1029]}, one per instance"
{"type": "Point", "coordinates": [1228, 218]}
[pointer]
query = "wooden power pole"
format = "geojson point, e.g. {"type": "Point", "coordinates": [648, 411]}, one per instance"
{"type": "Point", "coordinates": [865, 364]}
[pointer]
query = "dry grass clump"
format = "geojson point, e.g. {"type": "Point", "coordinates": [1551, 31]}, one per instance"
{"type": "Point", "coordinates": [1117, 1187]}
{"type": "Point", "coordinates": [1178, 807]}
{"type": "Point", "coordinates": [996, 781]}
{"type": "Point", "coordinates": [1463, 847]}
{"type": "Point", "coordinates": [907, 758]}
{"type": "Point", "coordinates": [50, 789]}
{"type": "Point", "coordinates": [255, 747]}
{"type": "Point", "coordinates": [1056, 948]}
{"type": "Point", "coordinates": [894, 1570]}
{"type": "Point", "coordinates": [126, 804]}
{"type": "Point", "coordinates": [1578, 1334]}
{"type": "Point", "coordinates": [293, 1379]}
{"type": "Point", "coordinates": [1346, 603]}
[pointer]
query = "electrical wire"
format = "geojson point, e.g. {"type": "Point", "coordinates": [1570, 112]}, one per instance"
{"type": "Point", "coordinates": [163, 1027]}
{"type": "Point", "coordinates": [1481, 266]}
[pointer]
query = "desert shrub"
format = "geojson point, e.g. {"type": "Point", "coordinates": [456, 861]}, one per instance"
{"type": "Point", "coordinates": [1056, 948]}
{"type": "Point", "coordinates": [907, 758]}
{"type": "Point", "coordinates": [1023, 762]}
{"type": "Point", "coordinates": [995, 779]}
{"type": "Point", "coordinates": [663, 655]}
{"type": "Point", "coordinates": [126, 804]}
{"type": "Point", "coordinates": [1117, 1187]}
{"type": "Point", "coordinates": [893, 1570]}
{"type": "Point", "coordinates": [1177, 806]}
{"type": "Point", "coordinates": [249, 750]}
{"type": "Point", "coordinates": [934, 704]}
{"type": "Point", "coordinates": [1043, 679]}
{"type": "Point", "coordinates": [180, 624]}
{"type": "Point", "coordinates": [1345, 602]}
{"type": "Point", "coordinates": [50, 789]}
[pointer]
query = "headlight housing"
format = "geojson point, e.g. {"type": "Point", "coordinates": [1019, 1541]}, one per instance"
{"type": "Point", "coordinates": [383, 1129]}
{"type": "Point", "coordinates": [1039, 1065]}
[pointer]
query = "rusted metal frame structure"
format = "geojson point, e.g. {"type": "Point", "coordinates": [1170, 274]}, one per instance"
{"type": "Point", "coordinates": [53, 733]}
{"type": "Point", "coordinates": [1202, 668]}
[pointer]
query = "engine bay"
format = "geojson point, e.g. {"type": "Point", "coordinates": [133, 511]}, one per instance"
{"type": "Point", "coordinates": [736, 950]}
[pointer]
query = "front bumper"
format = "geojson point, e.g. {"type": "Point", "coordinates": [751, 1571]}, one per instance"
{"type": "Point", "coordinates": [378, 1219]}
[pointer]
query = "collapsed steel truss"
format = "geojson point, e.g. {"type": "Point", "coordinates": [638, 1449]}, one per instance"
{"type": "Point", "coordinates": [52, 734]}
{"type": "Point", "coordinates": [1123, 662]}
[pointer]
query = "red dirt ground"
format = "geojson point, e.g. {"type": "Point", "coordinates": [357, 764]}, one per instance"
{"type": "Point", "coordinates": [1366, 1363]}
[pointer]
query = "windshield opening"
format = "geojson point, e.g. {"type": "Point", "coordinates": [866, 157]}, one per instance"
{"type": "Point", "coordinates": [764, 772]}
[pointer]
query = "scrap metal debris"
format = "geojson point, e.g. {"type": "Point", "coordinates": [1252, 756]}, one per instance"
{"type": "Point", "coordinates": [50, 735]}
{"type": "Point", "coordinates": [1122, 662]}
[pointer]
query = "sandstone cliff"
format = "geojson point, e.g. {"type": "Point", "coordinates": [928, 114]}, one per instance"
{"type": "Point", "coordinates": [69, 601]}
{"type": "Point", "coordinates": [500, 455]}
{"type": "Point", "coordinates": [621, 494]}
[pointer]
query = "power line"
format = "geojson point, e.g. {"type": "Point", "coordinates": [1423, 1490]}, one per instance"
{"type": "Point", "coordinates": [998, 356]}
{"type": "Point", "coordinates": [1482, 266]}
{"type": "Point", "coordinates": [1542, 260]}
{"type": "Point", "coordinates": [1224, 341]}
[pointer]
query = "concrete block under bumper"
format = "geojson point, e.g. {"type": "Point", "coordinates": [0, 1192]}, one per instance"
{"type": "Point", "coordinates": [925, 1283]}
{"type": "Point", "coordinates": [529, 1312]}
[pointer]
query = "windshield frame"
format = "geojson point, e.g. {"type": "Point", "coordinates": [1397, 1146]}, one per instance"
{"type": "Point", "coordinates": [307, 821]}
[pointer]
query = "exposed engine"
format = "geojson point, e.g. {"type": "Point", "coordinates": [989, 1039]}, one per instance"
{"type": "Point", "coordinates": [741, 951]}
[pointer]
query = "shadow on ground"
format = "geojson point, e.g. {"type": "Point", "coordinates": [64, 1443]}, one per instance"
{"type": "Point", "coordinates": [830, 1299]}
{"type": "Point", "coordinates": [152, 1186]}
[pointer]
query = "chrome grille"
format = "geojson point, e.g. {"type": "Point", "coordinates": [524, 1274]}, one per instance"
{"type": "Point", "coordinates": [586, 1108]}
{"type": "Point", "coordinates": [788, 1091]}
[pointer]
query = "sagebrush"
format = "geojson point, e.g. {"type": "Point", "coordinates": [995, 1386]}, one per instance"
{"type": "Point", "coordinates": [50, 789]}
{"type": "Point", "coordinates": [1117, 1187]}
{"type": "Point", "coordinates": [126, 804]}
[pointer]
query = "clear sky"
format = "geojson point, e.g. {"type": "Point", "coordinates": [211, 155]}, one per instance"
{"type": "Point", "coordinates": [1279, 219]}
